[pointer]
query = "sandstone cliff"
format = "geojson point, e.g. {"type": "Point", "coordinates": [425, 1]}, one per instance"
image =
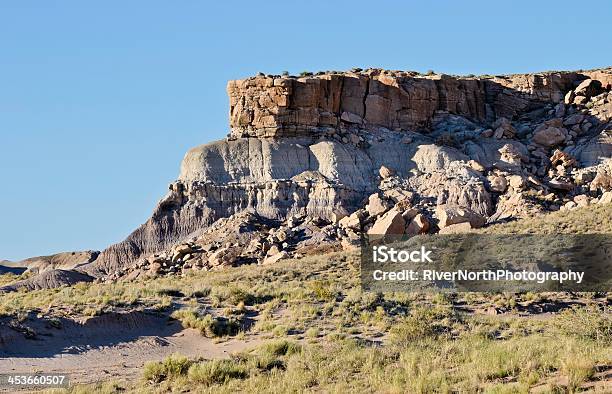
{"type": "Point", "coordinates": [338, 154]}
{"type": "Point", "coordinates": [282, 107]}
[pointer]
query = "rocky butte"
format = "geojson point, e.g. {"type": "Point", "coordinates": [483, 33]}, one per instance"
{"type": "Point", "coordinates": [312, 162]}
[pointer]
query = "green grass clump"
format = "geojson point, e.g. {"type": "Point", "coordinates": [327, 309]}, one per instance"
{"type": "Point", "coordinates": [172, 367]}
{"type": "Point", "coordinates": [208, 325]}
{"type": "Point", "coordinates": [216, 372]}
{"type": "Point", "coordinates": [586, 323]}
{"type": "Point", "coordinates": [281, 348]}
{"type": "Point", "coordinates": [423, 323]}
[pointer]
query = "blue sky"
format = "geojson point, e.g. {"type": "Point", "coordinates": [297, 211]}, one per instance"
{"type": "Point", "coordinates": [99, 101]}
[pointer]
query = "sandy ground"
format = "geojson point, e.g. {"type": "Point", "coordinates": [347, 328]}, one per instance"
{"type": "Point", "coordinates": [112, 346]}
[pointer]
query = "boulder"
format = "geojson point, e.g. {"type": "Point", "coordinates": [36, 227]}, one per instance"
{"type": "Point", "coordinates": [568, 206]}
{"type": "Point", "coordinates": [353, 221]}
{"type": "Point", "coordinates": [350, 117]}
{"type": "Point", "coordinates": [582, 200]}
{"type": "Point", "coordinates": [409, 214]}
{"type": "Point", "coordinates": [180, 251]}
{"type": "Point", "coordinates": [391, 223]}
{"type": "Point", "coordinates": [550, 136]}
{"type": "Point", "coordinates": [155, 268]}
{"type": "Point", "coordinates": [497, 183]}
{"type": "Point", "coordinates": [580, 100]}
{"type": "Point", "coordinates": [606, 198]}
{"type": "Point", "coordinates": [223, 257]}
{"type": "Point", "coordinates": [588, 88]}
{"type": "Point", "coordinates": [398, 195]}
{"type": "Point", "coordinates": [560, 184]}
{"type": "Point", "coordinates": [276, 258]}
{"type": "Point", "coordinates": [476, 166]}
{"type": "Point", "coordinates": [376, 205]}
{"type": "Point", "coordinates": [503, 128]}
{"type": "Point", "coordinates": [510, 154]}
{"type": "Point", "coordinates": [385, 172]}
{"type": "Point", "coordinates": [573, 120]}
{"type": "Point", "coordinates": [487, 133]}
{"type": "Point", "coordinates": [561, 158]}
{"type": "Point", "coordinates": [418, 225]}
{"type": "Point", "coordinates": [516, 181]}
{"type": "Point", "coordinates": [448, 215]}
{"type": "Point", "coordinates": [602, 181]}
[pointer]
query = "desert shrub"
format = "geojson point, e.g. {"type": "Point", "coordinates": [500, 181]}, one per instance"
{"type": "Point", "coordinates": [208, 325]}
{"type": "Point", "coordinates": [201, 291]}
{"type": "Point", "coordinates": [423, 323]}
{"type": "Point", "coordinates": [235, 295]}
{"type": "Point", "coordinates": [586, 323]}
{"type": "Point", "coordinates": [312, 333]}
{"type": "Point", "coordinates": [171, 367]}
{"type": "Point", "coordinates": [281, 348]}
{"type": "Point", "coordinates": [322, 290]}
{"type": "Point", "coordinates": [577, 371]}
{"type": "Point", "coordinates": [171, 292]}
{"type": "Point", "coordinates": [217, 372]}
{"type": "Point", "coordinates": [280, 331]}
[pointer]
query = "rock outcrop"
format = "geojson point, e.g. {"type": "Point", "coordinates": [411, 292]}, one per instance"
{"type": "Point", "coordinates": [276, 106]}
{"type": "Point", "coordinates": [316, 161]}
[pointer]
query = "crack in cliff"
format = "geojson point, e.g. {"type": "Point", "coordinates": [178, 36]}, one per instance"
{"type": "Point", "coordinates": [365, 97]}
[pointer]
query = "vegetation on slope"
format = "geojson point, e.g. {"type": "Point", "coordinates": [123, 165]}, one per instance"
{"type": "Point", "coordinates": [323, 333]}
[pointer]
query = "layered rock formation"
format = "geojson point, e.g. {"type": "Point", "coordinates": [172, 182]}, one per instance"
{"type": "Point", "coordinates": [340, 154]}
{"type": "Point", "coordinates": [283, 107]}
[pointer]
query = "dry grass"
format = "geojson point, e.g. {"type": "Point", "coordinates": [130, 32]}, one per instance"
{"type": "Point", "coordinates": [326, 335]}
{"type": "Point", "coordinates": [470, 362]}
{"type": "Point", "coordinates": [594, 219]}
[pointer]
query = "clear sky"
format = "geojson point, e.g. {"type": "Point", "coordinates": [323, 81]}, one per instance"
{"type": "Point", "coordinates": [99, 101]}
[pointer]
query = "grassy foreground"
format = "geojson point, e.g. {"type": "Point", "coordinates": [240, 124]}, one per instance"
{"type": "Point", "coordinates": [321, 333]}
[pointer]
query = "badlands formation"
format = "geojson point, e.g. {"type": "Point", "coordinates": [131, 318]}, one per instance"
{"type": "Point", "coordinates": [313, 162]}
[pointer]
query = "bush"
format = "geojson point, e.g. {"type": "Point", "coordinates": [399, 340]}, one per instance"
{"type": "Point", "coordinates": [322, 290]}
{"type": "Point", "coordinates": [233, 295]}
{"type": "Point", "coordinates": [216, 372]}
{"type": "Point", "coordinates": [422, 323]}
{"type": "Point", "coordinates": [312, 333]}
{"type": "Point", "coordinates": [577, 372]}
{"type": "Point", "coordinates": [280, 331]}
{"type": "Point", "coordinates": [173, 366]}
{"type": "Point", "coordinates": [281, 348]}
{"type": "Point", "coordinates": [586, 323]}
{"type": "Point", "coordinates": [208, 325]}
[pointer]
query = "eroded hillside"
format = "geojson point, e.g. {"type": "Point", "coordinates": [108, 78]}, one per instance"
{"type": "Point", "coordinates": [312, 162]}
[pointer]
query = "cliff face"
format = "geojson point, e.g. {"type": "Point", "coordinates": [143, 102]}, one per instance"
{"type": "Point", "coordinates": [283, 107]}
{"type": "Point", "coordinates": [322, 148]}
